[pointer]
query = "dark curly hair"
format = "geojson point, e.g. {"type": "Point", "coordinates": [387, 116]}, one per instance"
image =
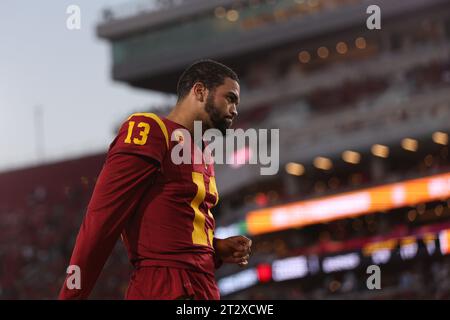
{"type": "Point", "coordinates": [209, 72]}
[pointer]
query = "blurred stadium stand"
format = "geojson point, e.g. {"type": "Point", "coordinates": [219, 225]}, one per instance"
{"type": "Point", "coordinates": [373, 106]}
{"type": "Point", "coordinates": [41, 210]}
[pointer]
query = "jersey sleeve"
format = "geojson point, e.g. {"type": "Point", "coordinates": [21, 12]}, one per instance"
{"type": "Point", "coordinates": [120, 187]}
{"type": "Point", "coordinates": [142, 134]}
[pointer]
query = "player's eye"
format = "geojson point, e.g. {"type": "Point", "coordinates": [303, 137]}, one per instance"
{"type": "Point", "coordinates": [231, 99]}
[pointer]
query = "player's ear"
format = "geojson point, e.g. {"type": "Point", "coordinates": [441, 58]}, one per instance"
{"type": "Point", "coordinates": [200, 91]}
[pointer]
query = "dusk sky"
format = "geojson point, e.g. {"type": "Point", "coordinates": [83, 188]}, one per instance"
{"type": "Point", "coordinates": [67, 73]}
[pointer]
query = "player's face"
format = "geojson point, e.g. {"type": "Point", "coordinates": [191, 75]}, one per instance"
{"type": "Point", "coordinates": [221, 105]}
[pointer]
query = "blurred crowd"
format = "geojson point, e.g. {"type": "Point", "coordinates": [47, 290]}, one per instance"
{"type": "Point", "coordinates": [41, 210]}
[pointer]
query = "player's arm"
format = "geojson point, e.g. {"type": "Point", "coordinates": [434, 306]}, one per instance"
{"type": "Point", "coordinates": [218, 262]}
{"type": "Point", "coordinates": [126, 175]}
{"type": "Point", "coordinates": [120, 186]}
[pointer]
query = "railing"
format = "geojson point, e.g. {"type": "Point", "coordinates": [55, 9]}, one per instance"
{"type": "Point", "coordinates": [210, 30]}
{"type": "Point", "coordinates": [136, 7]}
{"type": "Point", "coordinates": [419, 109]}
{"type": "Point", "coordinates": [383, 65]}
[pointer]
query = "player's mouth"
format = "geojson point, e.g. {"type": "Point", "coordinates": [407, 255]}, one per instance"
{"type": "Point", "coordinates": [229, 120]}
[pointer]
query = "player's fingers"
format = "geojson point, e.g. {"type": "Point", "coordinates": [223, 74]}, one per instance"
{"type": "Point", "coordinates": [236, 260]}
{"type": "Point", "coordinates": [248, 243]}
{"type": "Point", "coordinates": [240, 259]}
{"type": "Point", "coordinates": [243, 240]}
{"type": "Point", "coordinates": [243, 264]}
{"type": "Point", "coordinates": [248, 246]}
{"type": "Point", "coordinates": [240, 248]}
{"type": "Point", "coordinates": [240, 254]}
{"type": "Point", "coordinates": [243, 251]}
{"type": "Point", "coordinates": [243, 260]}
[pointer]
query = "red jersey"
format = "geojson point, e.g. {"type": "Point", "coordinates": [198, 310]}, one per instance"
{"type": "Point", "coordinates": [160, 209]}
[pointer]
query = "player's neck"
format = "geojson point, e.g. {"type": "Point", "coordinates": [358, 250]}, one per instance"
{"type": "Point", "coordinates": [180, 116]}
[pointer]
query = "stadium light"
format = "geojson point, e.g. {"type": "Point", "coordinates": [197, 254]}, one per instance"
{"type": "Point", "coordinates": [341, 47]}
{"type": "Point", "coordinates": [360, 43]}
{"type": "Point", "coordinates": [290, 268]}
{"type": "Point", "coordinates": [412, 214]}
{"type": "Point", "coordinates": [323, 163]}
{"type": "Point", "coordinates": [342, 262]}
{"type": "Point", "coordinates": [304, 57]}
{"type": "Point", "coordinates": [421, 208]}
{"type": "Point", "coordinates": [323, 52]}
{"type": "Point", "coordinates": [381, 256]}
{"type": "Point", "coordinates": [351, 157]}
{"type": "Point", "coordinates": [238, 281]}
{"type": "Point", "coordinates": [438, 210]}
{"type": "Point", "coordinates": [410, 144]}
{"type": "Point", "coordinates": [408, 248]}
{"type": "Point", "coordinates": [295, 169]}
{"type": "Point", "coordinates": [232, 15]}
{"type": "Point", "coordinates": [380, 151]}
{"type": "Point", "coordinates": [440, 138]}
{"type": "Point", "coordinates": [220, 12]}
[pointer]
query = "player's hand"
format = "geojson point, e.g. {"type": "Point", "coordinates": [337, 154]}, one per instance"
{"type": "Point", "coordinates": [235, 249]}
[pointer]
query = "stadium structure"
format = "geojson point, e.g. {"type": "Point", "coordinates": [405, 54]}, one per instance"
{"type": "Point", "coordinates": [364, 173]}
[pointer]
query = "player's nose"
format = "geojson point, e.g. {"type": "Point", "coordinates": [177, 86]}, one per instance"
{"type": "Point", "coordinates": [233, 111]}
